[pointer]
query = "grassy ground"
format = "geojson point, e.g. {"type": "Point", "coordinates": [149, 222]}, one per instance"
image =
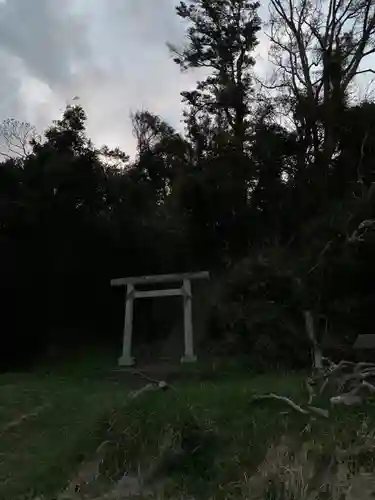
{"type": "Point", "coordinates": [210, 439]}
{"type": "Point", "coordinates": [202, 440]}
{"type": "Point", "coordinates": [47, 427]}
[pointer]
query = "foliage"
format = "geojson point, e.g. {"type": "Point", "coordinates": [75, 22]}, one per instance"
{"type": "Point", "coordinates": [222, 36]}
{"type": "Point", "coordinates": [259, 313]}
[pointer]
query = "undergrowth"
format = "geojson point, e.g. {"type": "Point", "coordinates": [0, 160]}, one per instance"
{"type": "Point", "coordinates": [197, 440]}
{"type": "Point", "coordinates": [212, 441]}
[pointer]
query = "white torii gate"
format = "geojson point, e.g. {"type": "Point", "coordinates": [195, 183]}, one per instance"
{"type": "Point", "coordinates": [131, 293]}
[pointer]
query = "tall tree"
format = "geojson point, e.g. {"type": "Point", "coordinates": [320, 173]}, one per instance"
{"type": "Point", "coordinates": [319, 47]}
{"type": "Point", "coordinates": [221, 37]}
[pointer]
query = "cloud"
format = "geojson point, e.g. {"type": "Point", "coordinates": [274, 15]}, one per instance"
{"type": "Point", "coordinates": [10, 83]}
{"type": "Point", "coordinates": [44, 36]}
{"type": "Point", "coordinates": [111, 53]}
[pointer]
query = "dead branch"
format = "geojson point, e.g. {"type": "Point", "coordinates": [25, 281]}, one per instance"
{"type": "Point", "coordinates": [286, 400]}
{"type": "Point", "coordinates": [319, 411]}
{"type": "Point", "coordinates": [364, 365]}
{"type": "Point", "coordinates": [368, 386]}
{"type": "Point", "coordinates": [349, 389]}
{"type": "Point", "coordinates": [160, 386]}
{"type": "Point", "coordinates": [323, 387]}
{"type": "Point", "coordinates": [346, 399]}
{"type": "Point", "coordinates": [333, 370]}
{"type": "Point", "coordinates": [311, 409]}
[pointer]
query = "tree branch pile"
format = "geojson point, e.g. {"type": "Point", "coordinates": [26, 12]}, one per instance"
{"type": "Point", "coordinates": [351, 383]}
{"type": "Point", "coordinates": [345, 383]}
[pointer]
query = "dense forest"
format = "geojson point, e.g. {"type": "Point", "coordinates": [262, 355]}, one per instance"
{"type": "Point", "coordinates": [270, 188]}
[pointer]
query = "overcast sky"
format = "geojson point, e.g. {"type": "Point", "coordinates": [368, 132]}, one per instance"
{"type": "Point", "coordinates": [110, 53]}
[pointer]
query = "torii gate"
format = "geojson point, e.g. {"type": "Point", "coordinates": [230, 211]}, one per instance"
{"type": "Point", "coordinates": [185, 291]}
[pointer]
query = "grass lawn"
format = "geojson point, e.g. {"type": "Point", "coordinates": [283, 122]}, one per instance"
{"type": "Point", "coordinates": [202, 440]}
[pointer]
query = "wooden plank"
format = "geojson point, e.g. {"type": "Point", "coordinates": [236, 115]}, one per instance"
{"type": "Point", "coordinates": [160, 278]}
{"type": "Point", "coordinates": [157, 293]}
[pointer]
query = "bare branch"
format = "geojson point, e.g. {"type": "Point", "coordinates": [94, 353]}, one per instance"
{"type": "Point", "coordinates": [319, 411]}
{"type": "Point", "coordinates": [365, 71]}
{"type": "Point", "coordinates": [310, 40]}
{"type": "Point", "coordinates": [284, 399]}
{"type": "Point", "coordinates": [15, 137]}
{"type": "Point", "coordinates": [303, 22]}
{"type": "Point", "coordinates": [6, 155]}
